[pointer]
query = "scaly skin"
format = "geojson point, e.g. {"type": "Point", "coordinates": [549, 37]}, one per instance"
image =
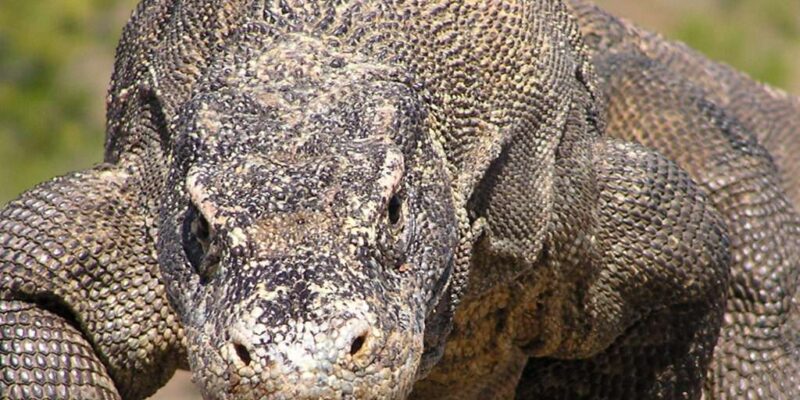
{"type": "Point", "coordinates": [399, 199]}
{"type": "Point", "coordinates": [739, 140]}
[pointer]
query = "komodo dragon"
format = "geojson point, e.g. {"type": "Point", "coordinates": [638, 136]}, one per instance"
{"type": "Point", "coordinates": [412, 199]}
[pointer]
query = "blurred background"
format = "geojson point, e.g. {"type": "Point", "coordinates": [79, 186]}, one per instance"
{"type": "Point", "coordinates": [56, 58]}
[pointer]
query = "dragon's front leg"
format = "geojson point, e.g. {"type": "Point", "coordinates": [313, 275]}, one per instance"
{"type": "Point", "coordinates": [83, 313]}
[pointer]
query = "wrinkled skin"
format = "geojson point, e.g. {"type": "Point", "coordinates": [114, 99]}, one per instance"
{"type": "Point", "coordinates": [322, 232]}
{"type": "Point", "coordinates": [739, 139]}
{"type": "Point", "coordinates": [380, 200]}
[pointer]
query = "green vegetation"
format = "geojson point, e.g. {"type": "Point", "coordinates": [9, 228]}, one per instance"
{"type": "Point", "coordinates": [55, 60]}
{"type": "Point", "coordinates": [56, 56]}
{"type": "Point", "coordinates": [761, 37]}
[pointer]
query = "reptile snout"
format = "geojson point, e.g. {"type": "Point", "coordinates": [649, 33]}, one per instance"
{"type": "Point", "coordinates": [308, 360]}
{"type": "Point", "coordinates": [340, 345]}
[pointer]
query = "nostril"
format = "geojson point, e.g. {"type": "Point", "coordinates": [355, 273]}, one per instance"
{"type": "Point", "coordinates": [242, 353]}
{"type": "Point", "coordinates": [358, 344]}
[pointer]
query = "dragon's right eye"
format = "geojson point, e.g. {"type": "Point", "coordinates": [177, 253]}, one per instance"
{"type": "Point", "coordinates": [201, 231]}
{"type": "Point", "coordinates": [198, 244]}
{"type": "Point", "coordinates": [394, 210]}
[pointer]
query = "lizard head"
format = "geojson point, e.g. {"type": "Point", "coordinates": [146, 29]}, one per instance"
{"type": "Point", "coordinates": [308, 229]}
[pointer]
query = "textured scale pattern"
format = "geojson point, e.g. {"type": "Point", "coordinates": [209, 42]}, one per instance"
{"type": "Point", "coordinates": [45, 357]}
{"type": "Point", "coordinates": [397, 199]}
{"type": "Point", "coordinates": [102, 277]}
{"type": "Point", "coordinates": [701, 119]}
